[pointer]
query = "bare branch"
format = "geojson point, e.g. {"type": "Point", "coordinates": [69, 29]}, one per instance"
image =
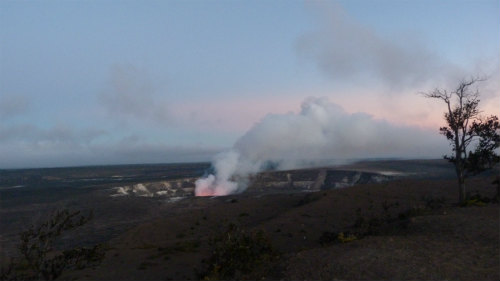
{"type": "Point", "coordinates": [438, 94]}
{"type": "Point", "coordinates": [465, 128]}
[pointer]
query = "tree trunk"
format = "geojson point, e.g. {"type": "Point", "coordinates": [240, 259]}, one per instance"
{"type": "Point", "coordinates": [459, 166]}
{"type": "Point", "coordinates": [497, 196]}
{"type": "Point", "coordinates": [461, 181]}
{"type": "Point", "coordinates": [461, 191]}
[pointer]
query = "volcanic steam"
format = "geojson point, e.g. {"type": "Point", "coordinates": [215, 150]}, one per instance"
{"type": "Point", "coordinates": [320, 131]}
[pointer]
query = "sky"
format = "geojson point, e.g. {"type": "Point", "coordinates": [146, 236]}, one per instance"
{"type": "Point", "coordinates": [123, 82]}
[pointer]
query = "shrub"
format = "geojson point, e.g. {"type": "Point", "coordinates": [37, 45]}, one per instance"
{"type": "Point", "coordinates": [345, 238]}
{"type": "Point", "coordinates": [238, 254]}
{"type": "Point", "coordinates": [328, 237]}
{"type": "Point", "coordinates": [367, 226]}
{"type": "Point", "coordinates": [388, 223]}
{"type": "Point", "coordinates": [40, 260]}
{"type": "Point", "coordinates": [475, 200]}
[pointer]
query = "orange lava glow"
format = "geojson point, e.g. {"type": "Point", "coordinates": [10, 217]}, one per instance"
{"type": "Point", "coordinates": [205, 193]}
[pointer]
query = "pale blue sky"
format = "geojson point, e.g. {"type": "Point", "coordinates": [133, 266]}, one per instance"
{"type": "Point", "coordinates": [103, 82]}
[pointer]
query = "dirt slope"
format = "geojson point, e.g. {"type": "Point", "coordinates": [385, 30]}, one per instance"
{"type": "Point", "coordinates": [447, 243]}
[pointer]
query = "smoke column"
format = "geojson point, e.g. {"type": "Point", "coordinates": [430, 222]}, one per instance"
{"type": "Point", "coordinates": [320, 131]}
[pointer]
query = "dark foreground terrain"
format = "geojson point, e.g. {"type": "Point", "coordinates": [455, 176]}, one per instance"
{"type": "Point", "coordinates": [27, 196]}
{"type": "Point", "coordinates": [397, 227]}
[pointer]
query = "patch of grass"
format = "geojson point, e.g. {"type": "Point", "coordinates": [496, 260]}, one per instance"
{"type": "Point", "coordinates": [475, 200]}
{"type": "Point", "coordinates": [345, 238]}
{"type": "Point", "coordinates": [238, 254]}
{"type": "Point", "coordinates": [328, 237]}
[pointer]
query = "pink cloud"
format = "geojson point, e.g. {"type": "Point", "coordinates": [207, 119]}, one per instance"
{"type": "Point", "coordinates": [234, 114]}
{"type": "Point", "coordinates": [240, 114]}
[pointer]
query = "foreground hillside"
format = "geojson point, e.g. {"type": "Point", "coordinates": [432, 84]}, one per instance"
{"type": "Point", "coordinates": [406, 229]}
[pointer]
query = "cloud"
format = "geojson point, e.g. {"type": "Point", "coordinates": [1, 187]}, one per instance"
{"type": "Point", "coordinates": [130, 95]}
{"type": "Point", "coordinates": [325, 130]}
{"type": "Point", "coordinates": [322, 131]}
{"type": "Point", "coordinates": [234, 114]}
{"type": "Point", "coordinates": [21, 155]}
{"type": "Point", "coordinates": [143, 152]}
{"type": "Point", "coordinates": [490, 88]}
{"type": "Point", "coordinates": [25, 146]}
{"type": "Point", "coordinates": [343, 48]}
{"type": "Point", "coordinates": [13, 105]}
{"type": "Point", "coordinates": [57, 135]}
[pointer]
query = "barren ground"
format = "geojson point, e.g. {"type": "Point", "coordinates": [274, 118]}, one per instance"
{"type": "Point", "coordinates": [444, 242]}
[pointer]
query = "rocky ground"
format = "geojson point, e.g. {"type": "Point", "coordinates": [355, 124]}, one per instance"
{"type": "Point", "coordinates": [369, 220]}
{"type": "Point", "coordinates": [440, 241]}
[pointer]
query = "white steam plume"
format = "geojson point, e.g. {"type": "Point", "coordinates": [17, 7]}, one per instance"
{"type": "Point", "coordinates": [320, 131]}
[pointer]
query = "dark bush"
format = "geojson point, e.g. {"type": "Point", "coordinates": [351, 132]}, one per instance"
{"type": "Point", "coordinates": [40, 260]}
{"type": "Point", "coordinates": [475, 200]}
{"type": "Point", "coordinates": [369, 225]}
{"type": "Point", "coordinates": [238, 254]}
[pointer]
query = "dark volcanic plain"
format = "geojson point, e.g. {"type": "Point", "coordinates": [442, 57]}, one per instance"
{"type": "Point", "coordinates": [154, 228]}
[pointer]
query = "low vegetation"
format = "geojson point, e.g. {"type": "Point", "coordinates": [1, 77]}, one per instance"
{"type": "Point", "coordinates": [474, 139]}
{"type": "Point", "coordinates": [476, 200]}
{"type": "Point", "coordinates": [40, 260]}
{"type": "Point", "coordinates": [369, 222]}
{"type": "Point", "coordinates": [238, 254]}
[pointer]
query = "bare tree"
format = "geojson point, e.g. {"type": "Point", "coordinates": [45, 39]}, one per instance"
{"type": "Point", "coordinates": [465, 129]}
